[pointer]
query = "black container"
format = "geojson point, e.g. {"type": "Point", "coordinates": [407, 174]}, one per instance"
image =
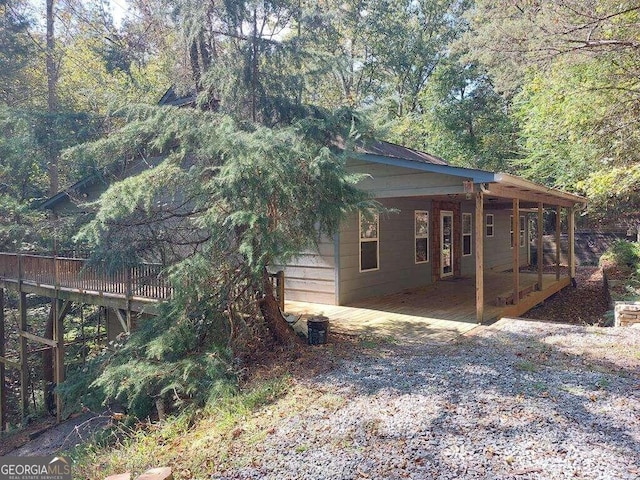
{"type": "Point", "coordinates": [318, 330]}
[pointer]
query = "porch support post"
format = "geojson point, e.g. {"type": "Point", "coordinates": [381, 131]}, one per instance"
{"type": "Point", "coordinates": [479, 257]}
{"type": "Point", "coordinates": [572, 239]}
{"type": "Point", "coordinates": [540, 244]}
{"type": "Point", "coordinates": [24, 366]}
{"type": "Point", "coordinates": [3, 390]}
{"type": "Point", "coordinates": [558, 246]}
{"type": "Point", "coordinates": [516, 251]}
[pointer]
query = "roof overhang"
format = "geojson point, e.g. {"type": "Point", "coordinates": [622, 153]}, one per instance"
{"type": "Point", "coordinates": [510, 186]}
{"type": "Point", "coordinates": [477, 176]}
{"type": "Point", "coordinates": [500, 186]}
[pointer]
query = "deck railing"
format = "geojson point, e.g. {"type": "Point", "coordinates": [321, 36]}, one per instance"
{"type": "Point", "coordinates": [146, 280]}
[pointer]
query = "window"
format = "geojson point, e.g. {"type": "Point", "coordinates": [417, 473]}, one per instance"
{"type": "Point", "coordinates": [421, 218]}
{"type": "Point", "coordinates": [369, 248]}
{"type": "Point", "coordinates": [467, 231]}
{"type": "Point", "coordinates": [511, 228]}
{"type": "Point", "coordinates": [489, 225]}
{"type": "Point", "coordinates": [522, 230]}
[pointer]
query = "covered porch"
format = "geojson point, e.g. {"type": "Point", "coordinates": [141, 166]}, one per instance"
{"type": "Point", "coordinates": [438, 312]}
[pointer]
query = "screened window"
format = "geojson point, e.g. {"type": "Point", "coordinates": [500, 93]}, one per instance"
{"type": "Point", "coordinates": [489, 225]}
{"type": "Point", "coordinates": [369, 242]}
{"type": "Point", "coordinates": [523, 225]}
{"type": "Point", "coordinates": [467, 230]}
{"type": "Point", "coordinates": [421, 236]}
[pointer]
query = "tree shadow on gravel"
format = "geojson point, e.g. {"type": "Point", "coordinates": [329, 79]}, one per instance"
{"type": "Point", "coordinates": [551, 385]}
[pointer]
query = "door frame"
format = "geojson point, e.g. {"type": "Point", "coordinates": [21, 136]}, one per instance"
{"type": "Point", "coordinates": [450, 214]}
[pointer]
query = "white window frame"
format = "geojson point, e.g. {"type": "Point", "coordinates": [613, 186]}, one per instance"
{"type": "Point", "coordinates": [420, 236]}
{"type": "Point", "coordinates": [447, 213]}
{"type": "Point", "coordinates": [523, 229]}
{"type": "Point", "coordinates": [467, 234]}
{"type": "Point", "coordinates": [367, 240]}
{"type": "Point", "coordinates": [489, 224]}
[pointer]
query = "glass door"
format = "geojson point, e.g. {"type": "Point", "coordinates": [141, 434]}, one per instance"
{"type": "Point", "coordinates": [446, 243]}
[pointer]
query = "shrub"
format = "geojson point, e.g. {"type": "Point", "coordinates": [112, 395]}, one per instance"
{"type": "Point", "coordinates": [622, 254]}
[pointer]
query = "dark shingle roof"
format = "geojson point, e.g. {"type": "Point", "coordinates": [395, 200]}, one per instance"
{"type": "Point", "coordinates": [386, 149]}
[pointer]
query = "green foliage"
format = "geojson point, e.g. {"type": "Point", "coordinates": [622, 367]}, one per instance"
{"type": "Point", "coordinates": [622, 254]}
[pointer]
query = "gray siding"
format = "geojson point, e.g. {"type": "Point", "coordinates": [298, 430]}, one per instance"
{"type": "Point", "coordinates": [498, 254]}
{"type": "Point", "coordinates": [397, 267]}
{"type": "Point", "coordinates": [387, 181]}
{"type": "Point", "coordinates": [310, 277]}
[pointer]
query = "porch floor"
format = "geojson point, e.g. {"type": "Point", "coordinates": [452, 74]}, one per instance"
{"type": "Point", "coordinates": [438, 312]}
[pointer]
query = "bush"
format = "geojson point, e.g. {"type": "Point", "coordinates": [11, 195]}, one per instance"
{"type": "Point", "coordinates": [622, 254]}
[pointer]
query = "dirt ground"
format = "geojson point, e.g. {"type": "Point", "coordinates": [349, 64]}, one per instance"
{"type": "Point", "coordinates": [585, 304]}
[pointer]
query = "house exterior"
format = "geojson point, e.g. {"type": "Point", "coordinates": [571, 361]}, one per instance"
{"type": "Point", "coordinates": [444, 223]}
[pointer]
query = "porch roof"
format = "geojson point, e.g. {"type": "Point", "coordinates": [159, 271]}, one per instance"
{"type": "Point", "coordinates": [494, 185]}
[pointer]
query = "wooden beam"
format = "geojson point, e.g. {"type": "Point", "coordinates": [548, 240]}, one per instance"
{"type": "Point", "coordinates": [37, 339]}
{"type": "Point", "coordinates": [526, 196]}
{"type": "Point", "coordinates": [558, 245]}
{"type": "Point", "coordinates": [540, 244]}
{"type": "Point", "coordinates": [572, 240]}
{"type": "Point", "coordinates": [534, 299]}
{"type": "Point", "coordinates": [122, 319]}
{"type": "Point", "coordinates": [58, 336]}
{"type": "Point", "coordinates": [3, 390]}
{"type": "Point", "coordinates": [479, 257]}
{"type": "Point", "coordinates": [516, 250]}
{"type": "Point", "coordinates": [24, 367]}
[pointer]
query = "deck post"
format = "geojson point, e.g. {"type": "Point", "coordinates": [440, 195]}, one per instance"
{"type": "Point", "coordinates": [572, 239]}
{"type": "Point", "coordinates": [540, 242]}
{"type": "Point", "coordinates": [61, 310]}
{"type": "Point", "coordinates": [479, 257]}
{"type": "Point", "coordinates": [558, 246]}
{"type": "Point", "coordinates": [3, 391]}
{"type": "Point", "coordinates": [24, 366]}
{"type": "Point", "coordinates": [516, 250]}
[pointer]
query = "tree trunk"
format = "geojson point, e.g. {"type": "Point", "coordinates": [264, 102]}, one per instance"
{"type": "Point", "coordinates": [52, 102]}
{"type": "Point", "coordinates": [270, 310]}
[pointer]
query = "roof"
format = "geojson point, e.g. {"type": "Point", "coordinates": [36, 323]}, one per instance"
{"type": "Point", "coordinates": [387, 149]}
{"type": "Point", "coordinates": [171, 98]}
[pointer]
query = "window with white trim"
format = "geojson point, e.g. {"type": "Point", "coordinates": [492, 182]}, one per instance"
{"type": "Point", "coordinates": [467, 232]}
{"type": "Point", "coordinates": [421, 224]}
{"type": "Point", "coordinates": [489, 225]}
{"type": "Point", "coordinates": [511, 228]}
{"type": "Point", "coordinates": [523, 225]}
{"type": "Point", "coordinates": [369, 241]}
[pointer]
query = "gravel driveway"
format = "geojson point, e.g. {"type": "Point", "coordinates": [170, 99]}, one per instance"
{"type": "Point", "coordinates": [521, 399]}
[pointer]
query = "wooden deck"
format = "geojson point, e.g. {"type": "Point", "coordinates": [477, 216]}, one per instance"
{"type": "Point", "coordinates": [438, 312]}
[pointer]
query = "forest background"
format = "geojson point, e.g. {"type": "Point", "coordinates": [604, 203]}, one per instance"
{"type": "Point", "coordinates": [548, 90]}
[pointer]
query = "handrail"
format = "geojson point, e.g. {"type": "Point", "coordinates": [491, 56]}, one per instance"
{"type": "Point", "coordinates": [146, 280]}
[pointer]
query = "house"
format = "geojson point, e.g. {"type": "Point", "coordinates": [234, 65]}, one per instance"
{"type": "Point", "coordinates": [446, 225]}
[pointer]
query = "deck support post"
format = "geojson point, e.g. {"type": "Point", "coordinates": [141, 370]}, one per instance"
{"type": "Point", "coordinates": [479, 257]}
{"type": "Point", "coordinates": [3, 390]}
{"type": "Point", "coordinates": [572, 239]}
{"type": "Point", "coordinates": [24, 366]}
{"type": "Point", "coordinates": [540, 243]}
{"type": "Point", "coordinates": [558, 245]}
{"type": "Point", "coordinates": [516, 250]}
{"type": "Point", "coordinates": [61, 308]}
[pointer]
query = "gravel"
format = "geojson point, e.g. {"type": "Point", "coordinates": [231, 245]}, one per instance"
{"type": "Point", "coordinates": [519, 400]}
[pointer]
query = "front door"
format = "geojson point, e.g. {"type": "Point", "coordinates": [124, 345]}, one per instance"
{"type": "Point", "coordinates": [446, 243]}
